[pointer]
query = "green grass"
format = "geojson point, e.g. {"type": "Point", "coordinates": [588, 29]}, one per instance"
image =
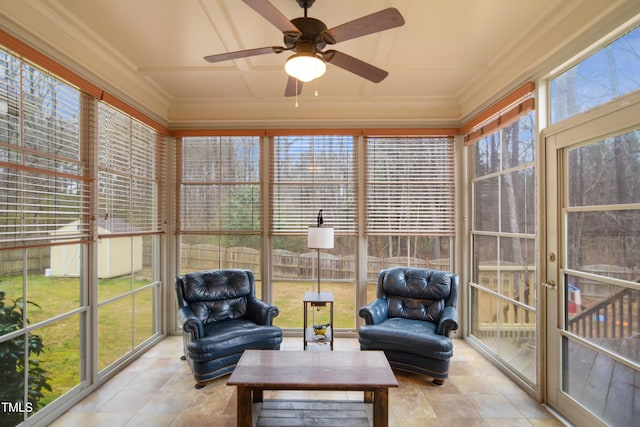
{"type": "Point", "coordinates": [288, 297]}
{"type": "Point", "coordinates": [56, 296]}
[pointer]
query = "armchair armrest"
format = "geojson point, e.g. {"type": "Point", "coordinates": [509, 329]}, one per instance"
{"type": "Point", "coordinates": [190, 323]}
{"type": "Point", "coordinates": [448, 321]}
{"type": "Point", "coordinates": [375, 312]}
{"type": "Point", "coordinates": [260, 312]}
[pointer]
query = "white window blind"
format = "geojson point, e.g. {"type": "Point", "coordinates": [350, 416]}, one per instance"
{"type": "Point", "coordinates": [410, 185]}
{"type": "Point", "coordinates": [310, 173]}
{"type": "Point", "coordinates": [220, 184]}
{"type": "Point", "coordinates": [43, 190]}
{"type": "Point", "coordinates": [129, 156]}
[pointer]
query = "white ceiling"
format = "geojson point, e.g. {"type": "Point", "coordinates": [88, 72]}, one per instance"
{"type": "Point", "coordinates": [449, 58]}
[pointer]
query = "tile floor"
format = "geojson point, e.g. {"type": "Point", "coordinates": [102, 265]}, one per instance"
{"type": "Point", "coordinates": [157, 390]}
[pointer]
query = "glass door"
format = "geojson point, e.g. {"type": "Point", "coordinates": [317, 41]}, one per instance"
{"type": "Point", "coordinates": [592, 289]}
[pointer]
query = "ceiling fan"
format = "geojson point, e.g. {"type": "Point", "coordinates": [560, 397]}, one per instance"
{"type": "Point", "coordinates": [307, 37]}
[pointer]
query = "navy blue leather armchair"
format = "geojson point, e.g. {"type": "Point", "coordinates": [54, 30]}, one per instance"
{"type": "Point", "coordinates": [411, 320]}
{"type": "Point", "coordinates": [221, 317]}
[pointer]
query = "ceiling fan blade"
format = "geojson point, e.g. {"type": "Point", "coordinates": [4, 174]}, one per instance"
{"type": "Point", "coordinates": [292, 87]}
{"type": "Point", "coordinates": [243, 53]}
{"type": "Point", "coordinates": [355, 66]}
{"type": "Point", "coordinates": [378, 21]}
{"type": "Point", "coordinates": [273, 15]}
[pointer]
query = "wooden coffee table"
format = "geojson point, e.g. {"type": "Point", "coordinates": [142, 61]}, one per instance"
{"type": "Point", "coordinates": [260, 370]}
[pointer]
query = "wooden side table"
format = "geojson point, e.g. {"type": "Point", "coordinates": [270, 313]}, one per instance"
{"type": "Point", "coordinates": [315, 300]}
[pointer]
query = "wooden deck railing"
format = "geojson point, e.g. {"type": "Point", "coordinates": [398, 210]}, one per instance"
{"type": "Point", "coordinates": [614, 317]}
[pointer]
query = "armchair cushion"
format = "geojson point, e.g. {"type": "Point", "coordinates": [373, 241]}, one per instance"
{"type": "Point", "coordinates": [226, 338]}
{"type": "Point", "coordinates": [399, 334]}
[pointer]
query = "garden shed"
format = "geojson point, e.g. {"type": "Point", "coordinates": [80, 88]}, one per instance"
{"type": "Point", "coordinates": [117, 256]}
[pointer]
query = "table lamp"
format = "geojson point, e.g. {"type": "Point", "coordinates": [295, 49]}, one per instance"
{"type": "Point", "coordinates": [320, 237]}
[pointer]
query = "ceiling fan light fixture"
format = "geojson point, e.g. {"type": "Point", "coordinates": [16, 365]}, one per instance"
{"type": "Point", "coordinates": [305, 66]}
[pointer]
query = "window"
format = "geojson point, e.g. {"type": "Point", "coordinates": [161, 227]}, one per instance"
{"type": "Point", "coordinates": [603, 222]}
{"type": "Point", "coordinates": [410, 186]}
{"type": "Point", "coordinates": [128, 155]}
{"type": "Point", "coordinates": [609, 73]}
{"type": "Point", "coordinates": [130, 161]}
{"type": "Point", "coordinates": [309, 173]}
{"type": "Point", "coordinates": [502, 296]}
{"type": "Point", "coordinates": [41, 165]}
{"type": "Point", "coordinates": [410, 203]}
{"type": "Point", "coordinates": [220, 203]}
{"type": "Point", "coordinates": [58, 144]}
{"type": "Point", "coordinates": [312, 173]}
{"type": "Point", "coordinates": [43, 203]}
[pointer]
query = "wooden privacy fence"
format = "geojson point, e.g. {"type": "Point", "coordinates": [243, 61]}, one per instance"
{"type": "Point", "coordinates": [286, 264]}
{"type": "Point", "coordinates": [206, 257]}
{"type": "Point", "coordinates": [12, 261]}
{"type": "Point", "coordinates": [293, 265]}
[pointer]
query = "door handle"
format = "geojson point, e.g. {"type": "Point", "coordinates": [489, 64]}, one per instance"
{"type": "Point", "coordinates": [550, 284]}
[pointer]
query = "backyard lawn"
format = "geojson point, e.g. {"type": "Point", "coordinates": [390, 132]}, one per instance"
{"type": "Point", "coordinates": [56, 296]}
{"type": "Point", "coordinates": [288, 297]}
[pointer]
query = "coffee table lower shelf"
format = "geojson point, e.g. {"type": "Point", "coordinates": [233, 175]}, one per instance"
{"type": "Point", "coordinates": [295, 413]}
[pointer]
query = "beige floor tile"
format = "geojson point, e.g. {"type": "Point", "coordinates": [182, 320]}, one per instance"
{"type": "Point", "coordinates": [509, 422]}
{"type": "Point", "coordinates": [547, 422]}
{"type": "Point", "coordinates": [494, 406]}
{"type": "Point", "coordinates": [152, 420]}
{"type": "Point", "coordinates": [413, 407]}
{"type": "Point", "coordinates": [158, 390]}
{"type": "Point", "coordinates": [464, 422]}
{"type": "Point", "coordinates": [95, 400]}
{"type": "Point", "coordinates": [127, 401]}
{"type": "Point", "coordinates": [470, 384]}
{"type": "Point", "coordinates": [529, 407]}
{"type": "Point", "coordinates": [453, 406]}
{"type": "Point", "coordinates": [93, 419]}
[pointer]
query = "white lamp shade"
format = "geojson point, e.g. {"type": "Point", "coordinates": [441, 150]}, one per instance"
{"type": "Point", "coordinates": [320, 238]}
{"type": "Point", "coordinates": [305, 67]}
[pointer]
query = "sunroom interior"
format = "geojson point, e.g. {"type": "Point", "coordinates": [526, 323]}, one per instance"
{"type": "Point", "coordinates": [503, 146]}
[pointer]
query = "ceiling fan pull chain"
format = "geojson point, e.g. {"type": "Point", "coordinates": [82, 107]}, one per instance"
{"type": "Point", "coordinates": [316, 82]}
{"type": "Point", "coordinates": [296, 93]}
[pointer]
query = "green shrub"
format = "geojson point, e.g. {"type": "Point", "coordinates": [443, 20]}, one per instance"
{"type": "Point", "coordinates": [12, 364]}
